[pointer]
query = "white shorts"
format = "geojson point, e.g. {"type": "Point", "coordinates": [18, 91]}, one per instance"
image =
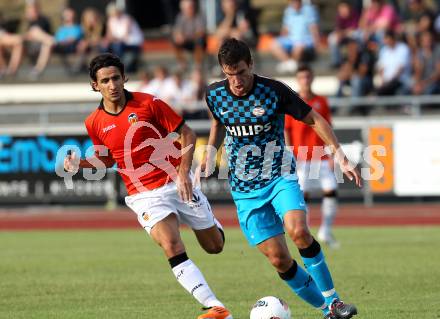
{"type": "Point", "coordinates": [153, 206]}
{"type": "Point", "coordinates": [315, 175]}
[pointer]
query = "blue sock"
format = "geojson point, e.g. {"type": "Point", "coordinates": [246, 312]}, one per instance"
{"type": "Point", "coordinates": [304, 286]}
{"type": "Point", "coordinates": [314, 261]}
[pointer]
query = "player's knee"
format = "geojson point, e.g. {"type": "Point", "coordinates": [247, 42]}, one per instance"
{"type": "Point", "coordinates": [172, 247]}
{"type": "Point", "coordinates": [214, 247]}
{"type": "Point", "coordinates": [279, 261]}
{"type": "Point", "coordinates": [301, 235]}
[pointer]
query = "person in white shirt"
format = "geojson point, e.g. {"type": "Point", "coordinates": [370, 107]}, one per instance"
{"type": "Point", "coordinates": [394, 66]}
{"type": "Point", "coordinates": [124, 37]}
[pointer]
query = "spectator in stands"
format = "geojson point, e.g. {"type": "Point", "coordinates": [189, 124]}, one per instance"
{"type": "Point", "coordinates": [124, 36]}
{"type": "Point", "coordinates": [299, 36]}
{"type": "Point", "coordinates": [194, 96]}
{"type": "Point", "coordinates": [92, 25]}
{"type": "Point", "coordinates": [235, 24]}
{"type": "Point", "coordinates": [158, 82]}
{"type": "Point", "coordinates": [417, 17]}
{"type": "Point", "coordinates": [394, 66]}
{"type": "Point", "coordinates": [376, 19]}
{"type": "Point", "coordinates": [427, 66]}
{"type": "Point", "coordinates": [67, 37]}
{"type": "Point", "coordinates": [11, 45]}
{"type": "Point", "coordinates": [145, 79]}
{"type": "Point", "coordinates": [347, 23]}
{"type": "Point", "coordinates": [189, 34]}
{"type": "Point", "coordinates": [39, 41]}
{"type": "Point", "coordinates": [357, 69]}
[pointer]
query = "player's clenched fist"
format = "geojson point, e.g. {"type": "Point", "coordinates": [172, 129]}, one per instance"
{"type": "Point", "coordinates": [71, 163]}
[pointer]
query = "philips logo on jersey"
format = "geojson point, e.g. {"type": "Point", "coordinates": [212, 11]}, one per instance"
{"type": "Point", "coordinates": [248, 130]}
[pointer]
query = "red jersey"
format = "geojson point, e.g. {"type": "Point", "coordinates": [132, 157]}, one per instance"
{"type": "Point", "coordinates": [136, 140]}
{"type": "Point", "coordinates": [300, 134]}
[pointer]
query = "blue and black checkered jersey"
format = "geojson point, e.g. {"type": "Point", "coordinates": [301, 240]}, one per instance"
{"type": "Point", "coordinates": [255, 130]}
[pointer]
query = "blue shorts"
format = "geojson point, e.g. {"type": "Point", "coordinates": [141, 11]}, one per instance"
{"type": "Point", "coordinates": [261, 212]}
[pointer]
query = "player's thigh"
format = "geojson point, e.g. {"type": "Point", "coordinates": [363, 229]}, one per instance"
{"type": "Point", "coordinates": [258, 220]}
{"type": "Point", "coordinates": [151, 207]}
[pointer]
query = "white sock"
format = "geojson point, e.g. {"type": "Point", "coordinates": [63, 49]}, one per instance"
{"type": "Point", "coordinates": [191, 278]}
{"type": "Point", "coordinates": [329, 209]}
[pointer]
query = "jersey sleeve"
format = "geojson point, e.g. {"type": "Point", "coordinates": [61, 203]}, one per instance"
{"type": "Point", "coordinates": [210, 105]}
{"type": "Point", "coordinates": [291, 103]}
{"type": "Point", "coordinates": [166, 116]}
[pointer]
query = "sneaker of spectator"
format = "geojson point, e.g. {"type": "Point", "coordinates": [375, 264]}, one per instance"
{"type": "Point", "coordinates": [67, 37]}
{"type": "Point", "coordinates": [376, 19]}
{"type": "Point", "coordinates": [346, 27]}
{"type": "Point", "coordinates": [235, 24]}
{"type": "Point", "coordinates": [394, 66]}
{"type": "Point", "coordinates": [189, 34]}
{"type": "Point", "coordinates": [39, 41]}
{"type": "Point", "coordinates": [299, 38]}
{"type": "Point", "coordinates": [124, 36]}
{"type": "Point", "coordinates": [427, 66]}
{"type": "Point", "coordinates": [11, 45]}
{"type": "Point", "coordinates": [92, 25]}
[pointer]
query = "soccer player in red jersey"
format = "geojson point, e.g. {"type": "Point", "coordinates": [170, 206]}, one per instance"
{"type": "Point", "coordinates": [314, 167]}
{"type": "Point", "coordinates": [139, 133]}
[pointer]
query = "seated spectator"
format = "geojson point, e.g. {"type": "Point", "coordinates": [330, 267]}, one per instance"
{"type": "Point", "coordinates": [394, 66]}
{"type": "Point", "coordinates": [145, 79]}
{"type": "Point", "coordinates": [299, 36]}
{"type": "Point", "coordinates": [347, 22]}
{"type": "Point", "coordinates": [156, 85]}
{"type": "Point", "coordinates": [92, 25]}
{"type": "Point", "coordinates": [357, 69]}
{"type": "Point", "coordinates": [39, 41]}
{"type": "Point", "coordinates": [427, 66]}
{"type": "Point", "coordinates": [124, 36]}
{"type": "Point", "coordinates": [67, 36]}
{"type": "Point", "coordinates": [194, 96]}
{"type": "Point", "coordinates": [11, 45]}
{"type": "Point", "coordinates": [376, 19]}
{"type": "Point", "coordinates": [189, 34]}
{"type": "Point", "coordinates": [235, 24]}
{"type": "Point", "coordinates": [416, 19]}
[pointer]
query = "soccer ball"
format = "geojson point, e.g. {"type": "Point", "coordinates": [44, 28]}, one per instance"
{"type": "Point", "coordinates": [270, 308]}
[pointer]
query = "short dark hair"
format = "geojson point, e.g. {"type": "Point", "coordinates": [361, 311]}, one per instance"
{"type": "Point", "coordinates": [304, 68]}
{"type": "Point", "coordinates": [232, 51]}
{"type": "Point", "coordinates": [105, 60]}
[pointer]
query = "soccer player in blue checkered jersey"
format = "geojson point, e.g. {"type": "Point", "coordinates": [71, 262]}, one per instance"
{"type": "Point", "coordinates": [250, 109]}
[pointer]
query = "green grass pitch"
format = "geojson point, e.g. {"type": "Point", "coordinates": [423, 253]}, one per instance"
{"type": "Point", "coordinates": [387, 272]}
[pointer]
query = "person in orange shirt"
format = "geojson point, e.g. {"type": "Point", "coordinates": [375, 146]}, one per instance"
{"type": "Point", "coordinates": [314, 166]}
{"type": "Point", "coordinates": [139, 133]}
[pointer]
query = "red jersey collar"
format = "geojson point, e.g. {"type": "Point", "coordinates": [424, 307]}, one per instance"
{"type": "Point", "coordinates": [128, 97]}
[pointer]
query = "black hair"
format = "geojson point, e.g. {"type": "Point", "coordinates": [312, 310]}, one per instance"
{"type": "Point", "coordinates": [232, 51]}
{"type": "Point", "coordinates": [304, 68]}
{"type": "Point", "coordinates": [102, 61]}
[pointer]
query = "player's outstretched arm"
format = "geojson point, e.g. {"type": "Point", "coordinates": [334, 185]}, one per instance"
{"type": "Point", "coordinates": [72, 162]}
{"type": "Point", "coordinates": [184, 184]}
{"type": "Point", "coordinates": [324, 130]}
{"type": "Point", "coordinates": [215, 140]}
